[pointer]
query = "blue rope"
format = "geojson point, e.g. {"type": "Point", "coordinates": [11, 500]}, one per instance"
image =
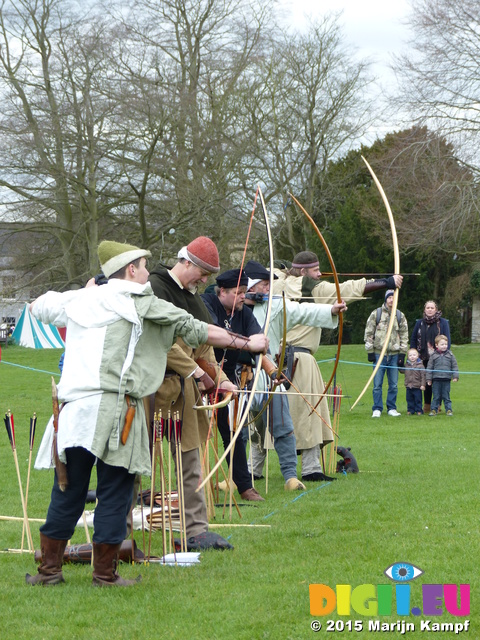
{"type": "Point", "coordinates": [369, 364]}
{"type": "Point", "coordinates": [12, 364]}
{"type": "Point", "coordinates": [301, 495]}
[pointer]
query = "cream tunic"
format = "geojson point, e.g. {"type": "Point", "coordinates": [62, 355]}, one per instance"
{"type": "Point", "coordinates": [118, 336]}
{"type": "Point", "coordinates": [310, 429]}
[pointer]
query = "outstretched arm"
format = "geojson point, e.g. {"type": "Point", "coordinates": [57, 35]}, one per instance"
{"type": "Point", "coordinates": [392, 282]}
{"type": "Point", "coordinates": [218, 337]}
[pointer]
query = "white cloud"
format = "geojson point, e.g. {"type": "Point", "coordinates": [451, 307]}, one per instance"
{"type": "Point", "coordinates": [374, 27]}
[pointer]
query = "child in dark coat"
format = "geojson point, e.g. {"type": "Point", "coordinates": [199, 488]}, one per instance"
{"type": "Point", "coordinates": [414, 382]}
{"type": "Point", "coordinates": [442, 368]}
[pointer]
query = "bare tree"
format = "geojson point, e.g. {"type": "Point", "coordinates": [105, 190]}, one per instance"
{"type": "Point", "coordinates": [440, 88]}
{"type": "Point", "coordinates": [440, 80]}
{"type": "Point", "coordinates": [431, 194]}
{"type": "Point", "coordinates": [187, 70]}
{"type": "Point", "coordinates": [140, 120]}
{"type": "Point", "coordinates": [54, 123]}
{"type": "Point", "coordinates": [309, 105]}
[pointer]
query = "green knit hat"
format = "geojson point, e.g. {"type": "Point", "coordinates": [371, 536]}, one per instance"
{"type": "Point", "coordinates": [115, 255]}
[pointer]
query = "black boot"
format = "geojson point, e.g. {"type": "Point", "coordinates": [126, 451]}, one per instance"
{"type": "Point", "coordinates": [105, 560]}
{"type": "Point", "coordinates": [50, 569]}
{"type": "Point", "coordinates": [317, 476]}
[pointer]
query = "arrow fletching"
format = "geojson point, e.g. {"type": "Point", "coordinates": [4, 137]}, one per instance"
{"type": "Point", "coordinates": [8, 427]}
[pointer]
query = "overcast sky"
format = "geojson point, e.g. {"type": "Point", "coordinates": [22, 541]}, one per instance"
{"type": "Point", "coordinates": [373, 27]}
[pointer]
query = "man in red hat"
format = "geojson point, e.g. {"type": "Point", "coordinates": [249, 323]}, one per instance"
{"type": "Point", "coordinates": [180, 390]}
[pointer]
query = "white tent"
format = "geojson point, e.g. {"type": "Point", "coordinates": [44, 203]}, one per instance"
{"type": "Point", "coordinates": [30, 332]}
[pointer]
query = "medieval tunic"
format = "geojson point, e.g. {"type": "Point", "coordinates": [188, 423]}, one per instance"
{"type": "Point", "coordinates": [243, 322]}
{"type": "Point", "coordinates": [118, 336]}
{"type": "Point", "coordinates": [319, 315]}
{"type": "Point", "coordinates": [310, 429]}
{"type": "Point", "coordinates": [179, 390]}
{"type": "Point", "coordinates": [298, 315]}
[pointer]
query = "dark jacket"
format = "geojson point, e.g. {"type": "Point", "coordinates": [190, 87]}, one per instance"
{"type": "Point", "coordinates": [165, 287]}
{"type": "Point", "coordinates": [442, 366]}
{"type": "Point", "coordinates": [242, 322]}
{"type": "Point", "coordinates": [424, 333]}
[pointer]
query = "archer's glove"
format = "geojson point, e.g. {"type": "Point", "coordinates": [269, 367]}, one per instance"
{"type": "Point", "coordinates": [401, 361]}
{"type": "Point", "coordinates": [100, 279]}
{"type": "Point", "coordinates": [371, 357]}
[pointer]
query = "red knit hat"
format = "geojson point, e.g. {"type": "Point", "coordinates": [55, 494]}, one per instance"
{"type": "Point", "coordinates": [204, 254]}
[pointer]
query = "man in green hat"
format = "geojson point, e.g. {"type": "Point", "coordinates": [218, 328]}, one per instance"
{"type": "Point", "coordinates": [118, 336]}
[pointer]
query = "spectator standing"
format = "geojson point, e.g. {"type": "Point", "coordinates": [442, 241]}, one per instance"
{"type": "Point", "coordinates": [442, 368]}
{"type": "Point", "coordinates": [415, 382]}
{"type": "Point", "coordinates": [375, 334]}
{"type": "Point", "coordinates": [423, 340]}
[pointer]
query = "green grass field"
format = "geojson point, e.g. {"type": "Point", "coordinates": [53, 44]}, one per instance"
{"type": "Point", "coordinates": [415, 500]}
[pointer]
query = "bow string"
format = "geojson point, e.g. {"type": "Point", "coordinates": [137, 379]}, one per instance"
{"type": "Point", "coordinates": [396, 271]}
{"type": "Point", "coordinates": [337, 289]}
{"type": "Point", "coordinates": [258, 362]}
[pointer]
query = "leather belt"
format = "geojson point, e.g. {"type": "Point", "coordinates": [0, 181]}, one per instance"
{"type": "Point", "coordinates": [301, 350]}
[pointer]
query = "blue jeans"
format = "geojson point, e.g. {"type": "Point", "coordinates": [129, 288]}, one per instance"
{"type": "Point", "coordinates": [441, 391]}
{"type": "Point", "coordinates": [282, 431]}
{"type": "Point", "coordinates": [388, 366]}
{"type": "Point", "coordinates": [414, 400]}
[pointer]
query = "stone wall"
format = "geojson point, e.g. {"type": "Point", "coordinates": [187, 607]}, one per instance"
{"type": "Point", "coordinates": [476, 319]}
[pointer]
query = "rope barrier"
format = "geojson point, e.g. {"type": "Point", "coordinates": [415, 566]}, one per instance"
{"type": "Point", "coordinates": [351, 362]}
{"type": "Point", "coordinates": [21, 366]}
{"type": "Point", "coordinates": [370, 364]}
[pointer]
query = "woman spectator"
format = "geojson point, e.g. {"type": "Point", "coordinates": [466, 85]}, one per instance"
{"type": "Point", "coordinates": [423, 340]}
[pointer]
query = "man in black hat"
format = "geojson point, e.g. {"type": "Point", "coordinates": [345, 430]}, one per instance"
{"type": "Point", "coordinates": [226, 306]}
{"type": "Point", "coordinates": [319, 315]}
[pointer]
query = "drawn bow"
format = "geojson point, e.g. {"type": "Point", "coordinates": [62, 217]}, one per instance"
{"type": "Point", "coordinates": [258, 363]}
{"type": "Point", "coordinates": [337, 288]}
{"type": "Point", "coordinates": [396, 270]}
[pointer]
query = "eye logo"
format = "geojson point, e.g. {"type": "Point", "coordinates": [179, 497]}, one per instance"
{"type": "Point", "coordinates": [402, 572]}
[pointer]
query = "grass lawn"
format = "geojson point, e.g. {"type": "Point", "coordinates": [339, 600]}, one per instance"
{"type": "Point", "coordinates": [415, 500]}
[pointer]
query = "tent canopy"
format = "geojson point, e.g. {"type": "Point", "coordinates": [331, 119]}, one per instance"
{"type": "Point", "coordinates": [30, 332]}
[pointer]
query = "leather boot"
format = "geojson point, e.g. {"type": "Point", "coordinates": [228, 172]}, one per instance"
{"type": "Point", "coordinates": [50, 569]}
{"type": "Point", "coordinates": [105, 560]}
{"type": "Point", "coordinates": [426, 408]}
{"type": "Point", "coordinates": [82, 553]}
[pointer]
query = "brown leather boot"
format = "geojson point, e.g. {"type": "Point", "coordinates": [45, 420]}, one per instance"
{"type": "Point", "coordinates": [50, 569]}
{"type": "Point", "coordinates": [105, 560]}
{"type": "Point", "coordinates": [426, 408]}
{"type": "Point", "coordinates": [82, 553]}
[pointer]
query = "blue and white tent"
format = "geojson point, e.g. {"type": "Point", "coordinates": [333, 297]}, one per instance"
{"type": "Point", "coordinates": [30, 332]}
